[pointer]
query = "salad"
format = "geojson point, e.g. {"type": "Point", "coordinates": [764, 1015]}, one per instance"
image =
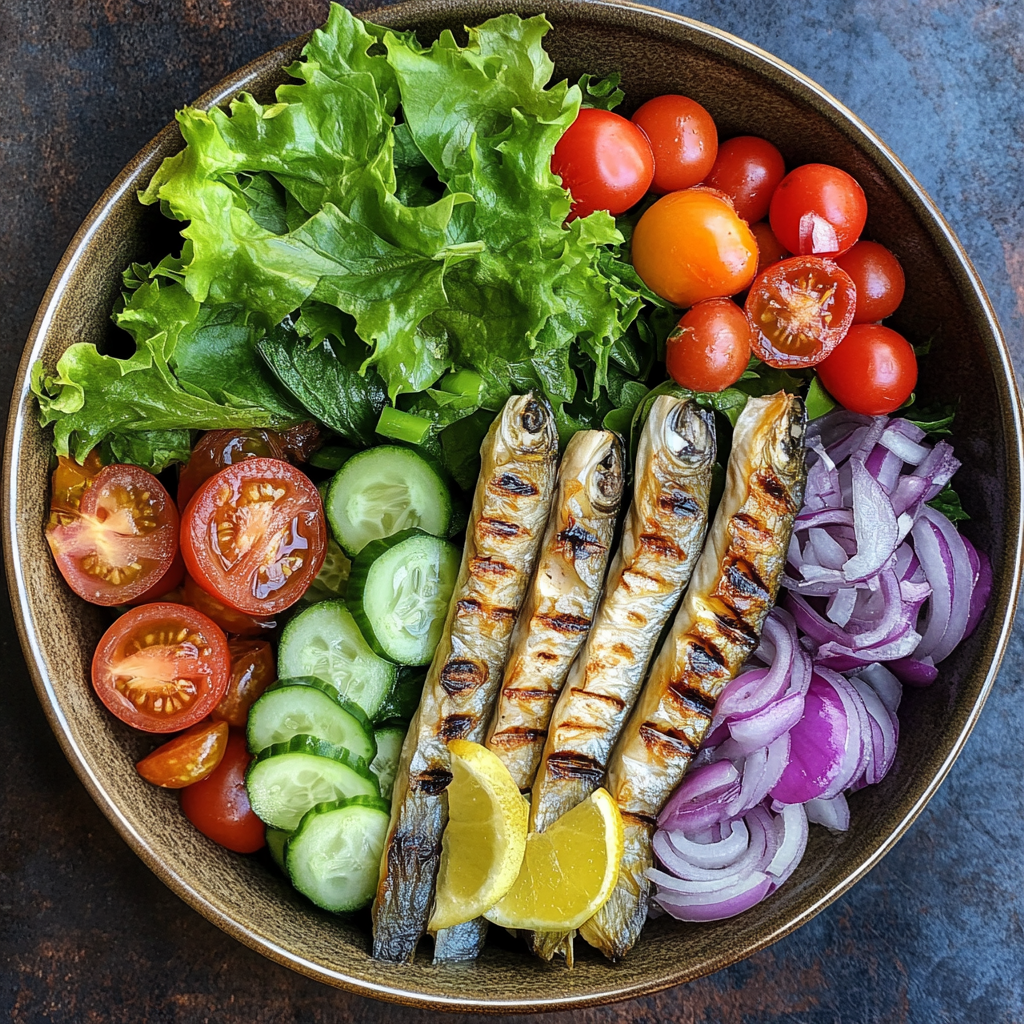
{"type": "Point", "coordinates": [481, 442]}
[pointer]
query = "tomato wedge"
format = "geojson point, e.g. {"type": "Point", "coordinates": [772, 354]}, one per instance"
{"type": "Point", "coordinates": [799, 310]}
{"type": "Point", "coordinates": [188, 758]}
{"type": "Point", "coordinates": [122, 538]}
{"type": "Point", "coordinates": [252, 671]}
{"type": "Point", "coordinates": [254, 535]}
{"type": "Point", "coordinates": [162, 667]}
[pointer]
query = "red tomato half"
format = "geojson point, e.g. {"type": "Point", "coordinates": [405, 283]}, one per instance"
{"type": "Point", "coordinates": [684, 140]}
{"type": "Point", "coordinates": [122, 539]}
{"type": "Point", "coordinates": [710, 348]}
{"type": "Point", "coordinates": [748, 170]}
{"type": "Point", "coordinates": [604, 161]}
{"type": "Point", "coordinates": [878, 278]}
{"type": "Point", "coordinates": [162, 667]}
{"type": "Point", "coordinates": [873, 370]}
{"type": "Point", "coordinates": [818, 210]}
{"type": "Point", "coordinates": [219, 805]}
{"type": "Point", "coordinates": [231, 621]}
{"type": "Point", "coordinates": [219, 448]}
{"type": "Point", "coordinates": [799, 310]}
{"type": "Point", "coordinates": [254, 535]}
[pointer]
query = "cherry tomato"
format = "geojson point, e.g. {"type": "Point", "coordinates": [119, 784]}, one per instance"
{"type": "Point", "coordinates": [872, 371]}
{"type": "Point", "coordinates": [799, 310]}
{"type": "Point", "coordinates": [188, 758]}
{"type": "Point", "coordinates": [691, 246]}
{"type": "Point", "coordinates": [161, 667]}
{"type": "Point", "coordinates": [70, 481]}
{"type": "Point", "coordinates": [254, 535]}
{"type": "Point", "coordinates": [252, 671]}
{"type": "Point", "coordinates": [231, 621]}
{"type": "Point", "coordinates": [300, 441]}
{"type": "Point", "coordinates": [748, 170]}
{"type": "Point", "coordinates": [878, 278]}
{"type": "Point", "coordinates": [769, 248]}
{"type": "Point", "coordinates": [122, 538]}
{"type": "Point", "coordinates": [605, 161]}
{"type": "Point", "coordinates": [710, 348]}
{"type": "Point", "coordinates": [170, 581]}
{"type": "Point", "coordinates": [818, 210]}
{"type": "Point", "coordinates": [219, 448]}
{"type": "Point", "coordinates": [684, 140]}
{"type": "Point", "coordinates": [219, 805]}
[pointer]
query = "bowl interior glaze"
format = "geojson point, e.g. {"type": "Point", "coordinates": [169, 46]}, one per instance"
{"type": "Point", "coordinates": [748, 92]}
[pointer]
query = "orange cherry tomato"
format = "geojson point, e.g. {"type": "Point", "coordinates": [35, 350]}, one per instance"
{"type": "Point", "coordinates": [252, 671]}
{"type": "Point", "coordinates": [710, 348]}
{"type": "Point", "coordinates": [233, 622]}
{"type": "Point", "coordinates": [70, 481]}
{"type": "Point", "coordinates": [188, 758]}
{"type": "Point", "coordinates": [691, 246]}
{"type": "Point", "coordinates": [878, 278]}
{"type": "Point", "coordinates": [799, 310]}
{"type": "Point", "coordinates": [747, 169]}
{"type": "Point", "coordinates": [769, 249]}
{"type": "Point", "coordinates": [219, 805]}
{"type": "Point", "coordinates": [683, 137]}
{"type": "Point", "coordinates": [161, 667]}
{"type": "Point", "coordinates": [872, 371]}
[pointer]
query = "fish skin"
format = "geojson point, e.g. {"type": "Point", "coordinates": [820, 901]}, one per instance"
{"type": "Point", "coordinates": [661, 541]}
{"type": "Point", "coordinates": [716, 629]}
{"type": "Point", "coordinates": [519, 458]}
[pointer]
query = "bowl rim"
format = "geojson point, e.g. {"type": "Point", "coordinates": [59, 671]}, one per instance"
{"type": "Point", "coordinates": [754, 58]}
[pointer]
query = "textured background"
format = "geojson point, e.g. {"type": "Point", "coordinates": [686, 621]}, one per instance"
{"type": "Point", "coordinates": [933, 935]}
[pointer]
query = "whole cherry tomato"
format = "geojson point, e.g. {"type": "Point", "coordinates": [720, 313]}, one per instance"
{"type": "Point", "coordinates": [684, 140]}
{"type": "Point", "coordinates": [710, 348]}
{"type": "Point", "coordinates": [188, 758]}
{"type": "Point", "coordinates": [219, 805]}
{"type": "Point", "coordinates": [748, 169]}
{"type": "Point", "coordinates": [872, 371]}
{"type": "Point", "coordinates": [818, 210]}
{"type": "Point", "coordinates": [691, 245]}
{"type": "Point", "coordinates": [769, 249]}
{"type": "Point", "coordinates": [878, 278]}
{"type": "Point", "coordinates": [604, 161]}
{"type": "Point", "coordinates": [799, 310]}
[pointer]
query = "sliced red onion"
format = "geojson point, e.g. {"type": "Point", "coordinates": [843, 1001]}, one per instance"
{"type": "Point", "coordinates": [884, 733]}
{"type": "Point", "coordinates": [791, 828]}
{"type": "Point", "coordinates": [763, 728]}
{"type": "Point", "coordinates": [947, 565]}
{"type": "Point", "coordinates": [982, 585]}
{"type": "Point", "coordinates": [885, 684]}
{"type": "Point", "coordinates": [834, 814]}
{"type": "Point", "coordinates": [701, 798]}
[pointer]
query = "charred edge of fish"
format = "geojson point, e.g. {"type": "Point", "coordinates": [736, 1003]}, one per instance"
{"type": "Point", "coordinates": [533, 417]}
{"type": "Point", "coordinates": [777, 491]}
{"type": "Point", "coordinates": [649, 821]}
{"type": "Point", "coordinates": [743, 579]}
{"type": "Point", "coordinates": [660, 545]}
{"type": "Point", "coordinates": [490, 567]}
{"type": "Point", "coordinates": [461, 674]}
{"type": "Point", "coordinates": [566, 624]}
{"type": "Point", "coordinates": [498, 528]}
{"type": "Point", "coordinates": [545, 656]}
{"type": "Point", "coordinates": [579, 543]}
{"type": "Point", "coordinates": [633, 576]}
{"type": "Point", "coordinates": [432, 782]}
{"type": "Point", "coordinates": [455, 727]}
{"type": "Point", "coordinates": [730, 621]}
{"type": "Point", "coordinates": [667, 744]}
{"type": "Point", "coordinates": [494, 612]}
{"type": "Point", "coordinates": [704, 657]}
{"type": "Point", "coordinates": [509, 483]}
{"type": "Point", "coordinates": [607, 698]}
{"type": "Point", "coordinates": [525, 696]}
{"type": "Point", "coordinates": [751, 530]}
{"type": "Point", "coordinates": [517, 736]}
{"type": "Point", "coordinates": [568, 764]}
{"type": "Point", "coordinates": [679, 504]}
{"type": "Point", "coordinates": [637, 618]}
{"type": "Point", "coordinates": [692, 699]}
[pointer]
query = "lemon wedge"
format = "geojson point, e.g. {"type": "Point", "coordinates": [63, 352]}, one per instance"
{"type": "Point", "coordinates": [569, 871]}
{"type": "Point", "coordinates": [483, 845]}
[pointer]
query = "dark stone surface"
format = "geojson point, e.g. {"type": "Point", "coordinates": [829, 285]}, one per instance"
{"type": "Point", "coordinates": [934, 934]}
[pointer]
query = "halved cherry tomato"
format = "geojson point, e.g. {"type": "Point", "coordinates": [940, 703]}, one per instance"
{"type": "Point", "coordinates": [818, 210]}
{"type": "Point", "coordinates": [799, 310]}
{"type": "Point", "coordinates": [121, 540]}
{"type": "Point", "coordinates": [171, 580]}
{"type": "Point", "coordinates": [252, 671]}
{"type": "Point", "coordinates": [684, 140]}
{"type": "Point", "coordinates": [233, 622]}
{"type": "Point", "coordinates": [219, 448]}
{"type": "Point", "coordinates": [769, 249]}
{"type": "Point", "coordinates": [604, 161]}
{"type": "Point", "coordinates": [747, 169]}
{"type": "Point", "coordinates": [188, 758]}
{"type": "Point", "coordinates": [300, 441]}
{"type": "Point", "coordinates": [878, 278]}
{"type": "Point", "coordinates": [710, 348]}
{"type": "Point", "coordinates": [161, 667]}
{"type": "Point", "coordinates": [872, 371]}
{"type": "Point", "coordinates": [219, 805]}
{"type": "Point", "coordinates": [254, 535]}
{"type": "Point", "coordinates": [691, 245]}
{"type": "Point", "coordinates": [70, 481]}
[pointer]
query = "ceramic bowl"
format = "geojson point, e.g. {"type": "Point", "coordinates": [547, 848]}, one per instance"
{"type": "Point", "coordinates": [748, 92]}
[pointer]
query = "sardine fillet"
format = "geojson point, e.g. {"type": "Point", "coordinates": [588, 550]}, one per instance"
{"type": "Point", "coordinates": [510, 507]}
{"type": "Point", "coordinates": [716, 629]}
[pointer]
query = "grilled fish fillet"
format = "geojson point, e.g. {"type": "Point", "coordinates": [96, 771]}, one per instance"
{"type": "Point", "coordinates": [661, 541]}
{"type": "Point", "coordinates": [716, 629]}
{"type": "Point", "coordinates": [510, 507]}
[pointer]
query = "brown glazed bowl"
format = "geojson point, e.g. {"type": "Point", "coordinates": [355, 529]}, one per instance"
{"type": "Point", "coordinates": [748, 92]}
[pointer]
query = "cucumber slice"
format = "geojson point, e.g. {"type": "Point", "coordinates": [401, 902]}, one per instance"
{"type": "Point", "coordinates": [399, 592]}
{"type": "Point", "coordinates": [324, 641]}
{"type": "Point", "coordinates": [404, 697]}
{"type": "Point", "coordinates": [277, 840]}
{"type": "Point", "coordinates": [288, 779]}
{"type": "Point", "coordinates": [308, 707]}
{"type": "Point", "coordinates": [389, 741]}
{"type": "Point", "coordinates": [334, 855]}
{"type": "Point", "coordinates": [383, 491]}
{"type": "Point", "coordinates": [331, 580]}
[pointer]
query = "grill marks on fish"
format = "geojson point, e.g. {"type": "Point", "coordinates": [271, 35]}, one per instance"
{"type": "Point", "coordinates": [578, 543]}
{"type": "Point", "coordinates": [717, 627]}
{"type": "Point", "coordinates": [567, 764]}
{"type": "Point", "coordinates": [510, 507]}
